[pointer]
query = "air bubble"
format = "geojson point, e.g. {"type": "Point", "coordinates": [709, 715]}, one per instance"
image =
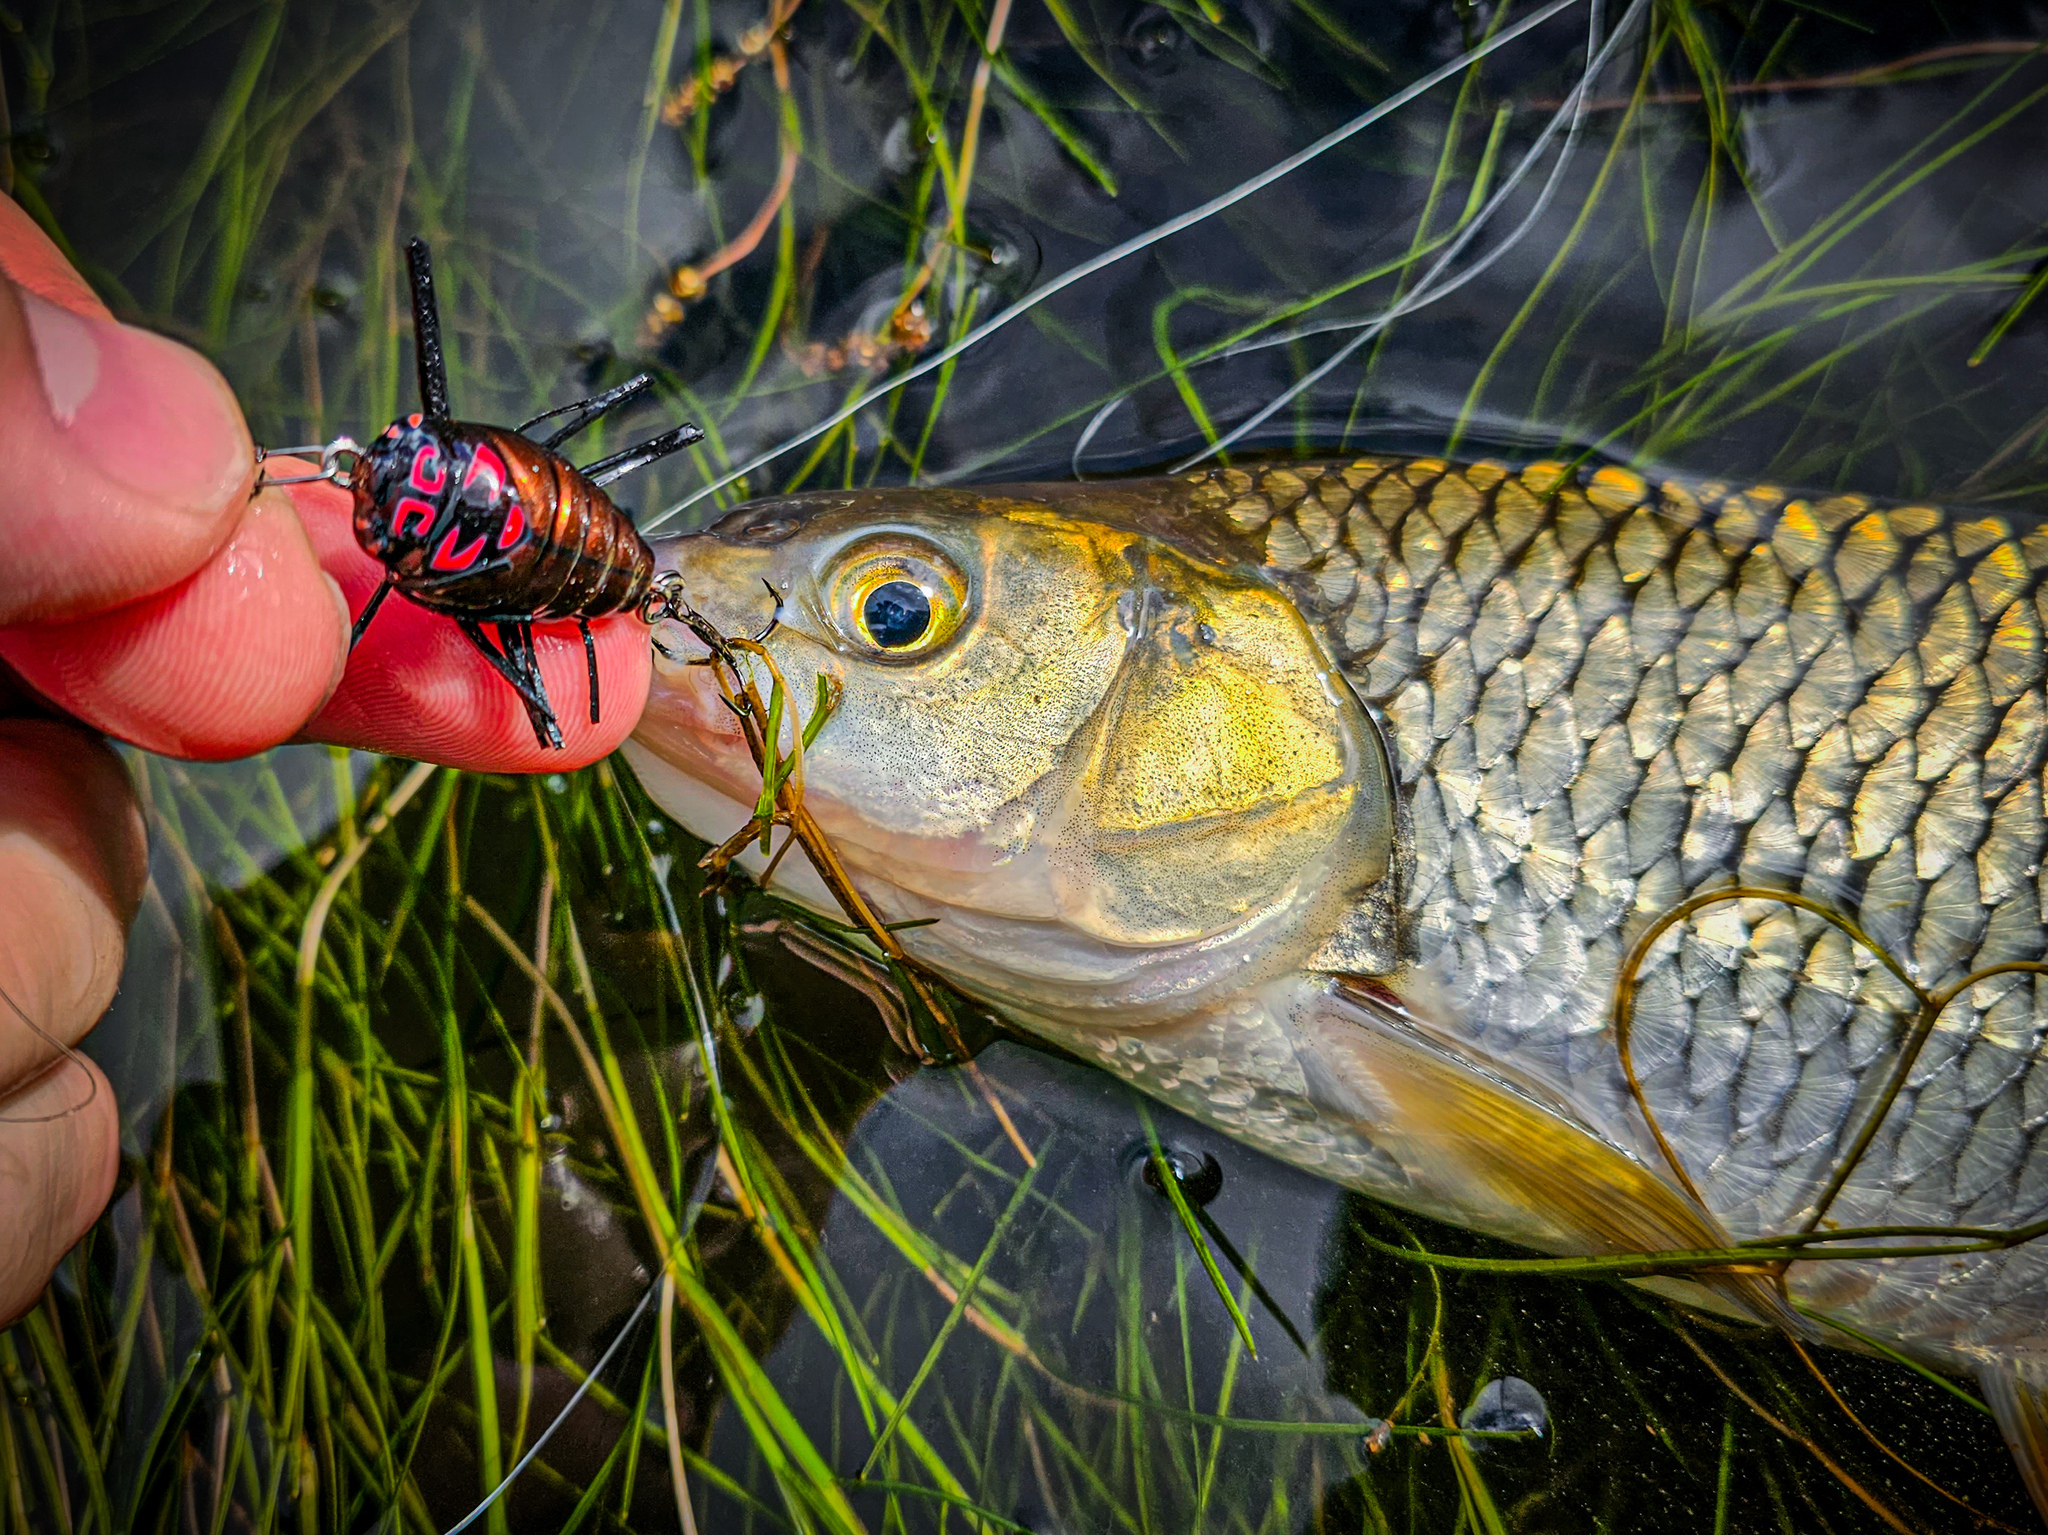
{"type": "Point", "coordinates": [1506, 1406]}
{"type": "Point", "coordinates": [1199, 1174]}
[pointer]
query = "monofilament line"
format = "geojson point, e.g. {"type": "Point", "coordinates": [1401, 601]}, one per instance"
{"type": "Point", "coordinates": [1571, 110]}
{"type": "Point", "coordinates": [64, 1053]}
{"type": "Point", "coordinates": [1427, 291]}
{"type": "Point", "coordinates": [1130, 247]}
{"type": "Point", "coordinates": [589, 1380]}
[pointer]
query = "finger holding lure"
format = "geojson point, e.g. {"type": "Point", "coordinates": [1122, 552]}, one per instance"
{"type": "Point", "coordinates": [489, 526]}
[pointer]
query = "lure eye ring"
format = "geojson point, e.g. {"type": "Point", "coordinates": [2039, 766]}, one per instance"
{"type": "Point", "coordinates": [338, 461]}
{"type": "Point", "coordinates": [895, 597]}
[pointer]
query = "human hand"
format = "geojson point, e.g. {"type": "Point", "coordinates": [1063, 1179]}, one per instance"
{"type": "Point", "coordinates": [148, 596]}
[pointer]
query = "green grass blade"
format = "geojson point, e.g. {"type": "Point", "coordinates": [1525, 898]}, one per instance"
{"type": "Point", "coordinates": [1169, 1183]}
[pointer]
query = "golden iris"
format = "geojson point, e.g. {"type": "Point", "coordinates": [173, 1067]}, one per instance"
{"type": "Point", "coordinates": [896, 596]}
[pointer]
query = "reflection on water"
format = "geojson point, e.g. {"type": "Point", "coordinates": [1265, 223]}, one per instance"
{"type": "Point", "coordinates": [1783, 284]}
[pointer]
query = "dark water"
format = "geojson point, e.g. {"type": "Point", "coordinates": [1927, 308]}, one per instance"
{"type": "Point", "coordinates": [1787, 285]}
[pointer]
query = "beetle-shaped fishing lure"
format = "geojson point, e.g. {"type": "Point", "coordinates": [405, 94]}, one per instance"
{"type": "Point", "coordinates": [487, 525]}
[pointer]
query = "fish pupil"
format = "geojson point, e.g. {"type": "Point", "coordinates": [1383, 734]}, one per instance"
{"type": "Point", "coordinates": [897, 613]}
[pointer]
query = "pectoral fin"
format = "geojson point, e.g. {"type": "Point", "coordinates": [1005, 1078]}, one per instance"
{"type": "Point", "coordinates": [1488, 1149]}
{"type": "Point", "coordinates": [2016, 1390]}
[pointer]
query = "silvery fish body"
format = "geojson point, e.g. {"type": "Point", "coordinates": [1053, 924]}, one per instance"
{"type": "Point", "coordinates": [1603, 703]}
{"type": "Point", "coordinates": [1414, 930]}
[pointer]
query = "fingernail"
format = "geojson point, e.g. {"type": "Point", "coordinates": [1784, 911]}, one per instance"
{"type": "Point", "coordinates": [140, 409]}
{"type": "Point", "coordinates": [66, 353]}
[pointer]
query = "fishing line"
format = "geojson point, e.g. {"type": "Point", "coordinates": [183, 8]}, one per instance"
{"type": "Point", "coordinates": [64, 1053]}
{"type": "Point", "coordinates": [1130, 247]}
{"type": "Point", "coordinates": [1424, 294]}
{"type": "Point", "coordinates": [589, 1380]}
{"type": "Point", "coordinates": [700, 1193]}
{"type": "Point", "coordinates": [1425, 291]}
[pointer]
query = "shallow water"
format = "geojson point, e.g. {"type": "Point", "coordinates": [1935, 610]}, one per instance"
{"type": "Point", "coordinates": [1094, 1380]}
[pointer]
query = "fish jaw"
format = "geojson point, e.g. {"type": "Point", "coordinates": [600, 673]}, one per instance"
{"type": "Point", "coordinates": [1125, 781]}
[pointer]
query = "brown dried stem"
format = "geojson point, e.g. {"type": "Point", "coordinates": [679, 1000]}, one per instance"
{"type": "Point", "coordinates": [1813, 1367]}
{"type": "Point", "coordinates": [1834, 1468]}
{"type": "Point", "coordinates": [688, 282]}
{"type": "Point", "coordinates": [671, 1420]}
{"type": "Point", "coordinates": [1874, 74]}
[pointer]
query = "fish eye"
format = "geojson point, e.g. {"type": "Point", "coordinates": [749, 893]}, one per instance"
{"type": "Point", "coordinates": [896, 597]}
{"type": "Point", "coordinates": [896, 614]}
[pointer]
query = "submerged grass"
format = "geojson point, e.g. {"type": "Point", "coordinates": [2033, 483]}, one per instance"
{"type": "Point", "coordinates": [437, 1085]}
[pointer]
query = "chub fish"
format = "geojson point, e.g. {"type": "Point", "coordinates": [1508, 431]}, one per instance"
{"type": "Point", "coordinates": [1608, 866]}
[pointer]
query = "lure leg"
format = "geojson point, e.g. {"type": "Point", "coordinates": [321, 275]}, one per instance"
{"type": "Point", "coordinates": [516, 664]}
{"type": "Point", "coordinates": [369, 612]}
{"type": "Point", "coordinates": [516, 635]}
{"type": "Point", "coordinates": [590, 659]}
{"type": "Point", "coordinates": [624, 462]}
{"type": "Point", "coordinates": [587, 411]}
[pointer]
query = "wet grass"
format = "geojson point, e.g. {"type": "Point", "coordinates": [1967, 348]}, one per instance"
{"type": "Point", "coordinates": [355, 1275]}
{"type": "Point", "coordinates": [437, 1086]}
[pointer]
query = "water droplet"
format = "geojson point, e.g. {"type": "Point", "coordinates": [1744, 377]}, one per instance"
{"type": "Point", "coordinates": [1199, 1174]}
{"type": "Point", "coordinates": [1505, 1406]}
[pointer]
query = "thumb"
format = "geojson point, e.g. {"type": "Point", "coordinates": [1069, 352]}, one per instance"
{"type": "Point", "coordinates": [127, 461]}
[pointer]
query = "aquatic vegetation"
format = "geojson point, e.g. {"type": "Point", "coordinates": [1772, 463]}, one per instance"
{"type": "Point", "coordinates": [457, 1061]}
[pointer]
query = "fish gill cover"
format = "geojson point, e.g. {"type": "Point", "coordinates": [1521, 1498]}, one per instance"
{"type": "Point", "coordinates": [423, 1073]}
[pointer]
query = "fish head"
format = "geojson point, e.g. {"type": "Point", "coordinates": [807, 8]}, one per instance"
{"type": "Point", "coordinates": [1120, 771]}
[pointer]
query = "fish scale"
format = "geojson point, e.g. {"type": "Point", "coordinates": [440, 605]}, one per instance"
{"type": "Point", "coordinates": [1602, 697]}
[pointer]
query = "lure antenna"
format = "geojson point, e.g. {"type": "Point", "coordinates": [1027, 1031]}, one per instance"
{"type": "Point", "coordinates": [426, 331]}
{"type": "Point", "coordinates": [624, 462]}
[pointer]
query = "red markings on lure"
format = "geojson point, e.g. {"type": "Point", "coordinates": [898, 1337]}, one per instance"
{"type": "Point", "coordinates": [490, 526]}
{"type": "Point", "coordinates": [410, 507]}
{"type": "Point", "coordinates": [449, 558]}
{"type": "Point", "coordinates": [515, 528]}
{"type": "Point", "coordinates": [488, 470]}
{"type": "Point", "coordinates": [429, 456]}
